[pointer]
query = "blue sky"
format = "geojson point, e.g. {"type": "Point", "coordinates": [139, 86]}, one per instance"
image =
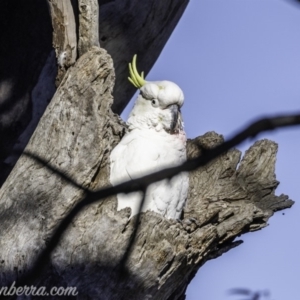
{"type": "Point", "coordinates": [237, 61]}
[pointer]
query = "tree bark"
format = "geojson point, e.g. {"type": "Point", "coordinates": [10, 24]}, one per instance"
{"type": "Point", "coordinates": [64, 35]}
{"type": "Point", "coordinates": [76, 134]}
{"type": "Point", "coordinates": [88, 25]}
{"type": "Point", "coordinates": [30, 72]}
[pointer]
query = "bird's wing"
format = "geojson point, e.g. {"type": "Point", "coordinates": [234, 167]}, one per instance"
{"type": "Point", "coordinates": [133, 157]}
{"type": "Point", "coordinates": [168, 196]}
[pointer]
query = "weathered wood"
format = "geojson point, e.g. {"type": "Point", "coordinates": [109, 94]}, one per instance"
{"type": "Point", "coordinates": [68, 126]}
{"type": "Point", "coordinates": [64, 35]}
{"type": "Point", "coordinates": [88, 25]}
{"type": "Point", "coordinates": [76, 134]}
{"type": "Point", "coordinates": [126, 27]}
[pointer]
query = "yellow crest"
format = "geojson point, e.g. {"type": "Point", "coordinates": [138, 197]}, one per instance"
{"type": "Point", "coordinates": [135, 78]}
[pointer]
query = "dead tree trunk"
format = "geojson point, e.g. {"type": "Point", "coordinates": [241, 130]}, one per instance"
{"type": "Point", "coordinates": [76, 135]}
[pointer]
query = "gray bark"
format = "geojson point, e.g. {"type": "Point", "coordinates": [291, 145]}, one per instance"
{"type": "Point", "coordinates": [88, 25]}
{"type": "Point", "coordinates": [126, 27]}
{"type": "Point", "coordinates": [76, 134]}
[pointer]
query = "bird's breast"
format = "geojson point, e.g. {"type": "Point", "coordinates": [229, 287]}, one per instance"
{"type": "Point", "coordinates": [169, 148]}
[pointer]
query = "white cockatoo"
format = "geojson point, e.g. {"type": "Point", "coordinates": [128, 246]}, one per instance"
{"type": "Point", "coordinates": [155, 140]}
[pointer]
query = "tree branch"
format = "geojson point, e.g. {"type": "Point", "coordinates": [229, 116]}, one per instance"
{"type": "Point", "coordinates": [64, 35]}
{"type": "Point", "coordinates": [88, 25]}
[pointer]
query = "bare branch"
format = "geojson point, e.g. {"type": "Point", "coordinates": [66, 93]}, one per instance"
{"type": "Point", "coordinates": [64, 35]}
{"type": "Point", "coordinates": [88, 25]}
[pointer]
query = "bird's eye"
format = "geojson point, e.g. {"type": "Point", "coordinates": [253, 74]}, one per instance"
{"type": "Point", "coordinates": [154, 102]}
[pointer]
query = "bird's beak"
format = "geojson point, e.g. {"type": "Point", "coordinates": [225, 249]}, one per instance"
{"type": "Point", "coordinates": [176, 118]}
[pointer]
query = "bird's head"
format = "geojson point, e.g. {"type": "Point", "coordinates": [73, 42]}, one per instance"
{"type": "Point", "coordinates": [158, 104]}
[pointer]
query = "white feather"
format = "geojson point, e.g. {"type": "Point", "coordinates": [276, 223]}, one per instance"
{"type": "Point", "coordinates": [149, 147]}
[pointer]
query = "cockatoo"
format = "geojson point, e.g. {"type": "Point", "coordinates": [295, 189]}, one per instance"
{"type": "Point", "coordinates": [155, 140]}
